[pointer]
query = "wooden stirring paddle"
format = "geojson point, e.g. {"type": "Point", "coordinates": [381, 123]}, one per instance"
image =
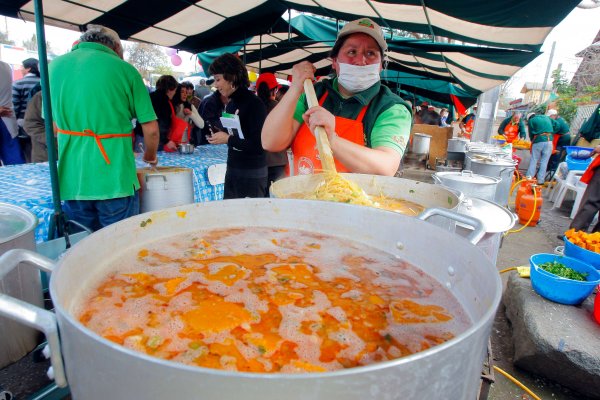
{"type": "Point", "coordinates": [325, 153]}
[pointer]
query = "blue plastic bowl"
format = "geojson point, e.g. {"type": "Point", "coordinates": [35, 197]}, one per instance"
{"type": "Point", "coordinates": [585, 255]}
{"type": "Point", "coordinates": [577, 165]}
{"type": "Point", "coordinates": [562, 290]}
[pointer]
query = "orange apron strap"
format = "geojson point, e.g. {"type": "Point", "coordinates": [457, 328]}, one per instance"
{"type": "Point", "coordinates": [97, 138]}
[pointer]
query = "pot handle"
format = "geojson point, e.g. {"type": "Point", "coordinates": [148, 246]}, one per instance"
{"type": "Point", "coordinates": [29, 314]}
{"type": "Point", "coordinates": [477, 225]}
{"type": "Point", "coordinates": [147, 176]}
{"type": "Point", "coordinates": [436, 179]}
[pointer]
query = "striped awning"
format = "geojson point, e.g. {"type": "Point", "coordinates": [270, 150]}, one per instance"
{"type": "Point", "coordinates": [472, 69]}
{"type": "Point", "coordinates": [202, 25]}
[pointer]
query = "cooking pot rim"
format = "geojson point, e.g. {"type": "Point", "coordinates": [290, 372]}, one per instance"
{"type": "Point", "coordinates": [31, 218]}
{"type": "Point", "coordinates": [486, 316]}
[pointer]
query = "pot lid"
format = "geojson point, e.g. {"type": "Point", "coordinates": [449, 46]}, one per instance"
{"type": "Point", "coordinates": [493, 161]}
{"type": "Point", "coordinates": [14, 222]}
{"type": "Point", "coordinates": [495, 218]}
{"type": "Point", "coordinates": [421, 134]}
{"type": "Point", "coordinates": [467, 176]}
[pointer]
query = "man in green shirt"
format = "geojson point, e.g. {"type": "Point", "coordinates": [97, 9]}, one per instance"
{"type": "Point", "coordinates": [540, 133]}
{"type": "Point", "coordinates": [367, 125]}
{"type": "Point", "coordinates": [95, 95]}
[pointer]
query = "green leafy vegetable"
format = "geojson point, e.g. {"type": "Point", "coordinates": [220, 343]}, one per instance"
{"type": "Point", "coordinates": [559, 269]}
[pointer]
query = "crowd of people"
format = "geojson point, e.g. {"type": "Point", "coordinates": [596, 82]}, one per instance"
{"type": "Point", "coordinates": [368, 126]}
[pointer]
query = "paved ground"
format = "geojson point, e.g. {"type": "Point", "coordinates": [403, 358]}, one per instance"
{"type": "Point", "coordinates": [515, 251]}
{"type": "Point", "coordinates": [27, 377]}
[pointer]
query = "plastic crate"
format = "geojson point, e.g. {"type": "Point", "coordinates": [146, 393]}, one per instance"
{"type": "Point", "coordinates": [577, 165]}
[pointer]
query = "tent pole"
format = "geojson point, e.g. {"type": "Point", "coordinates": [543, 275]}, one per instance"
{"type": "Point", "coordinates": [58, 219]}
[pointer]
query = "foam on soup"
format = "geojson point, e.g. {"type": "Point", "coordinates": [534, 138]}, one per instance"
{"type": "Point", "coordinates": [270, 300]}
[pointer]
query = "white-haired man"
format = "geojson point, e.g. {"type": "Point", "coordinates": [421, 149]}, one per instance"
{"type": "Point", "coordinates": [95, 95]}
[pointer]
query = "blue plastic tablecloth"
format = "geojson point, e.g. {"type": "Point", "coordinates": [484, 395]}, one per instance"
{"type": "Point", "coordinates": [28, 185]}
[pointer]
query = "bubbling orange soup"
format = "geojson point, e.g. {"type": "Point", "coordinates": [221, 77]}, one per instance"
{"type": "Point", "coordinates": [267, 300]}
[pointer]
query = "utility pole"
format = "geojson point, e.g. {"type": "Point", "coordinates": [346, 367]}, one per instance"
{"type": "Point", "coordinates": [547, 73]}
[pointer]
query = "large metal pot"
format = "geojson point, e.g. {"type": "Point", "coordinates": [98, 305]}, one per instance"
{"type": "Point", "coordinates": [425, 194]}
{"type": "Point", "coordinates": [420, 143]}
{"type": "Point", "coordinates": [471, 185]}
{"type": "Point", "coordinates": [164, 187]}
{"type": "Point", "coordinates": [17, 227]}
{"type": "Point", "coordinates": [457, 145]}
{"type": "Point", "coordinates": [496, 168]}
{"type": "Point", "coordinates": [98, 369]}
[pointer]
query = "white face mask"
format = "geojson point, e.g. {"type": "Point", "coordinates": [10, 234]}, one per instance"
{"type": "Point", "coordinates": [356, 78]}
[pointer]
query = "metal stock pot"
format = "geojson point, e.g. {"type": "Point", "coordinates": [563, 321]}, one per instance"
{"type": "Point", "coordinates": [97, 369]}
{"type": "Point", "coordinates": [425, 194]}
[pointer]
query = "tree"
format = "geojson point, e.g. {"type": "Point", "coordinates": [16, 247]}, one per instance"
{"type": "Point", "coordinates": [146, 58]}
{"type": "Point", "coordinates": [568, 100]}
{"type": "Point", "coordinates": [32, 44]}
{"type": "Point", "coordinates": [4, 39]}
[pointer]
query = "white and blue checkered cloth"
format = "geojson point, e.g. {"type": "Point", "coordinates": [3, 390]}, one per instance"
{"type": "Point", "coordinates": [28, 185]}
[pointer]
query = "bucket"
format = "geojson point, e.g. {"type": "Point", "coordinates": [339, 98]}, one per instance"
{"type": "Point", "coordinates": [420, 143]}
{"type": "Point", "coordinates": [17, 227]}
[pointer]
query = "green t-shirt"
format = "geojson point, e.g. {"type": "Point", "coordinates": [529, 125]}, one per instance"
{"type": "Point", "coordinates": [388, 117]}
{"type": "Point", "coordinates": [92, 88]}
{"type": "Point", "coordinates": [538, 125]}
{"type": "Point", "coordinates": [560, 126]}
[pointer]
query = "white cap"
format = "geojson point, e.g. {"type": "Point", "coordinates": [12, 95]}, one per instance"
{"type": "Point", "coordinates": [551, 112]}
{"type": "Point", "coordinates": [531, 114]}
{"type": "Point", "coordinates": [367, 26]}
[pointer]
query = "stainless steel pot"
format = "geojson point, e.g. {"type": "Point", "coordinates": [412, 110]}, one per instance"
{"type": "Point", "coordinates": [471, 185]}
{"type": "Point", "coordinates": [496, 220]}
{"type": "Point", "coordinates": [496, 168]}
{"type": "Point", "coordinates": [185, 148]}
{"type": "Point", "coordinates": [420, 143]}
{"type": "Point", "coordinates": [17, 227]}
{"type": "Point", "coordinates": [98, 369]}
{"type": "Point", "coordinates": [425, 194]}
{"type": "Point", "coordinates": [457, 145]}
{"type": "Point", "coordinates": [163, 187]}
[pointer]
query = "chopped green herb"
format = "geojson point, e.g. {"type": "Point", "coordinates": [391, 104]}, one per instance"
{"type": "Point", "coordinates": [559, 269]}
{"type": "Point", "coordinates": [146, 222]}
{"type": "Point", "coordinates": [411, 191]}
{"type": "Point", "coordinates": [449, 200]}
{"type": "Point", "coordinates": [388, 337]}
{"type": "Point", "coordinates": [194, 345]}
{"type": "Point", "coordinates": [261, 349]}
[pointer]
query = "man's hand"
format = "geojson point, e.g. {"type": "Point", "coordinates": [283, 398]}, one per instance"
{"type": "Point", "coordinates": [596, 150]}
{"type": "Point", "coordinates": [171, 145]}
{"type": "Point", "coordinates": [5, 112]}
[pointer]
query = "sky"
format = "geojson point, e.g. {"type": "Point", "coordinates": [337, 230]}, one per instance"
{"type": "Point", "coordinates": [572, 35]}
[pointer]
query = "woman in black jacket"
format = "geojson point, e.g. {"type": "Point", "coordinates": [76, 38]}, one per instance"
{"type": "Point", "coordinates": [246, 161]}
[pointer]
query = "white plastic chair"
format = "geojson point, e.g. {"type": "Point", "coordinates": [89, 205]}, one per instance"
{"type": "Point", "coordinates": [557, 181]}
{"type": "Point", "coordinates": [216, 175]}
{"type": "Point", "coordinates": [570, 184]}
{"type": "Point", "coordinates": [580, 189]}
